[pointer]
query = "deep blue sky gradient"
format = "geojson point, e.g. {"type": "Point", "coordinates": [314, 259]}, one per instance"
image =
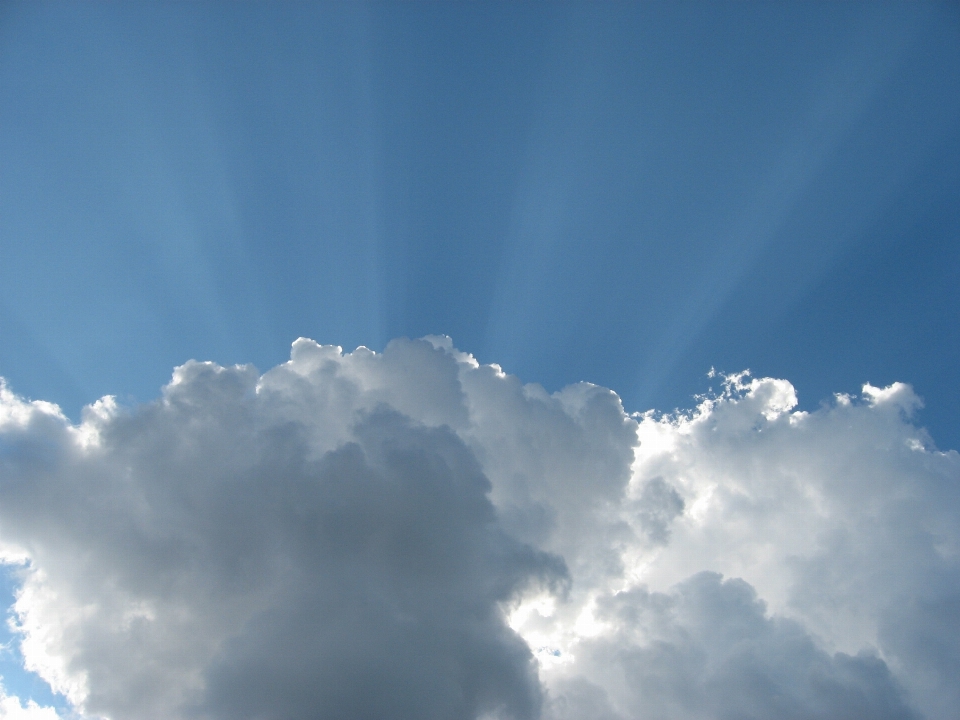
{"type": "Point", "coordinates": [626, 194]}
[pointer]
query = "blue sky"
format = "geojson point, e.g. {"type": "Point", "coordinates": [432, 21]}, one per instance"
{"type": "Point", "coordinates": [627, 194]}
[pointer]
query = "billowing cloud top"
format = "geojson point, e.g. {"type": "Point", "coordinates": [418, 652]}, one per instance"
{"type": "Point", "coordinates": [413, 535]}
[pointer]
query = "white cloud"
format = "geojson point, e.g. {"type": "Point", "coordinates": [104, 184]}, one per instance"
{"type": "Point", "coordinates": [411, 533]}
{"type": "Point", "coordinates": [11, 708]}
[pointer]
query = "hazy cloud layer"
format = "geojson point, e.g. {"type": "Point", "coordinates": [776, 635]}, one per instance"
{"type": "Point", "coordinates": [413, 535]}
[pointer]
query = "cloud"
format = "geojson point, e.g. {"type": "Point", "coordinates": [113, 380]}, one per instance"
{"type": "Point", "coordinates": [208, 554]}
{"type": "Point", "coordinates": [708, 649]}
{"type": "Point", "coordinates": [12, 709]}
{"type": "Point", "coordinates": [413, 534]}
{"type": "Point", "coordinates": [846, 520]}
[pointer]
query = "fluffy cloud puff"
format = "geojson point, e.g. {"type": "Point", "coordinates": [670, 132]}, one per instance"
{"type": "Point", "coordinates": [12, 709]}
{"type": "Point", "coordinates": [413, 535]}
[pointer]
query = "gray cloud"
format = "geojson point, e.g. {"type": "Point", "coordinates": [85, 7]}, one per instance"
{"type": "Point", "coordinates": [388, 601]}
{"type": "Point", "coordinates": [410, 534]}
{"type": "Point", "coordinates": [221, 567]}
{"type": "Point", "coordinates": [707, 649]}
{"type": "Point", "coordinates": [656, 508]}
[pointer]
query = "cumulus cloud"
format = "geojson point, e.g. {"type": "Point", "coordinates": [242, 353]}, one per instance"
{"type": "Point", "coordinates": [708, 649]}
{"type": "Point", "coordinates": [12, 709]}
{"type": "Point", "coordinates": [410, 534]}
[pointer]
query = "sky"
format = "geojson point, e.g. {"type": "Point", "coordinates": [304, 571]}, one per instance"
{"type": "Point", "coordinates": [569, 501]}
